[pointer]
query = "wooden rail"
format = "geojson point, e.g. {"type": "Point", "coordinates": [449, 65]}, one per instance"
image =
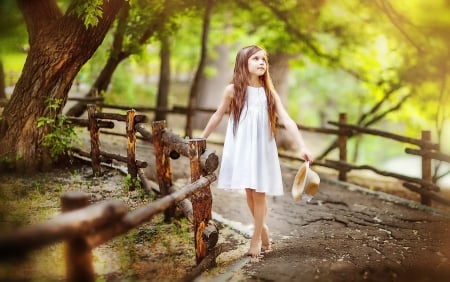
{"type": "Point", "coordinates": [83, 227]}
{"type": "Point", "coordinates": [428, 151]}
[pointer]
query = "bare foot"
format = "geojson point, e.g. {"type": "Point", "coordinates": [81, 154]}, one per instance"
{"type": "Point", "coordinates": [255, 249]}
{"type": "Point", "coordinates": [265, 238]}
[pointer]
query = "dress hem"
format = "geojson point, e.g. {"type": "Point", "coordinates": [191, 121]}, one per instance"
{"type": "Point", "coordinates": [243, 188]}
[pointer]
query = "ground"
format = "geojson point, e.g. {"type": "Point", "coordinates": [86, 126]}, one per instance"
{"type": "Point", "coordinates": [346, 233]}
{"type": "Point", "coordinates": [155, 249]}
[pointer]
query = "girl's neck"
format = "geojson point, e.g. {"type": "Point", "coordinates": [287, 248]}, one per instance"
{"type": "Point", "coordinates": [255, 82]}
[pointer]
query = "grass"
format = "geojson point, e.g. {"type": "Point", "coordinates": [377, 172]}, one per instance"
{"type": "Point", "coordinates": [151, 252]}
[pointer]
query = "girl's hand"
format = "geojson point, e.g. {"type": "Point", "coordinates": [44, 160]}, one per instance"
{"type": "Point", "coordinates": [306, 154]}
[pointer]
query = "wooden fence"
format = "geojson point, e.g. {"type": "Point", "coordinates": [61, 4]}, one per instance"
{"type": "Point", "coordinates": [428, 151]}
{"type": "Point", "coordinates": [425, 148]}
{"type": "Point", "coordinates": [82, 226]}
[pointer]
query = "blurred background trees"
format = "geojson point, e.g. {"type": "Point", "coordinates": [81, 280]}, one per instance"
{"type": "Point", "coordinates": [382, 62]}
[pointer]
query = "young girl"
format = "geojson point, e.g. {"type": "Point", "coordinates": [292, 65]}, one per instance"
{"type": "Point", "coordinates": [250, 157]}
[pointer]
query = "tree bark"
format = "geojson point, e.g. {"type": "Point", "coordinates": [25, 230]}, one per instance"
{"type": "Point", "coordinates": [2, 81]}
{"type": "Point", "coordinates": [116, 56]}
{"type": "Point", "coordinates": [100, 85]}
{"type": "Point", "coordinates": [211, 87]}
{"type": "Point", "coordinates": [279, 71]}
{"type": "Point", "coordinates": [201, 66]}
{"type": "Point", "coordinates": [164, 78]}
{"type": "Point", "coordinates": [59, 46]}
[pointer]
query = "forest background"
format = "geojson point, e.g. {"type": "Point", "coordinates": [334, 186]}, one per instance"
{"type": "Point", "coordinates": [384, 63]}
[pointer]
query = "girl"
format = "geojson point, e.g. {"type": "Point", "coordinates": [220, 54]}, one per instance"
{"type": "Point", "coordinates": [250, 157]}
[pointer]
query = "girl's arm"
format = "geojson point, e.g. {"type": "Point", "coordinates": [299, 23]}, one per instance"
{"type": "Point", "coordinates": [215, 119]}
{"type": "Point", "coordinates": [291, 127]}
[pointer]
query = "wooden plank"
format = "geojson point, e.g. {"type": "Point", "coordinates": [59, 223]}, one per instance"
{"type": "Point", "coordinates": [162, 159]}
{"type": "Point", "coordinates": [65, 226]}
{"type": "Point", "coordinates": [201, 199]}
{"type": "Point", "coordinates": [146, 213]}
{"type": "Point", "coordinates": [131, 147]}
{"type": "Point", "coordinates": [147, 135]}
{"type": "Point", "coordinates": [78, 255]}
{"type": "Point", "coordinates": [95, 142]}
{"type": "Point", "coordinates": [426, 167]}
{"type": "Point", "coordinates": [342, 145]}
{"type": "Point", "coordinates": [433, 155]}
{"type": "Point", "coordinates": [427, 193]}
{"type": "Point", "coordinates": [85, 122]}
{"type": "Point", "coordinates": [428, 185]}
{"type": "Point", "coordinates": [120, 117]}
{"type": "Point", "coordinates": [388, 135]}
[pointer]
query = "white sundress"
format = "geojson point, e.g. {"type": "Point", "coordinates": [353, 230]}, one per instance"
{"type": "Point", "coordinates": [250, 157]}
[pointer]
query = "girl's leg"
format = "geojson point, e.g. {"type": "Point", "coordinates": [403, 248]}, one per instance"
{"type": "Point", "coordinates": [254, 244]}
{"type": "Point", "coordinates": [249, 193]}
{"type": "Point", "coordinates": [259, 206]}
{"type": "Point", "coordinates": [265, 237]}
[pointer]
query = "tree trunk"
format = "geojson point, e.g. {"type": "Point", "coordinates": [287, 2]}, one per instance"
{"type": "Point", "coordinates": [201, 66]}
{"type": "Point", "coordinates": [2, 81]}
{"type": "Point", "coordinates": [279, 70]}
{"type": "Point", "coordinates": [116, 56]}
{"type": "Point", "coordinates": [59, 46]}
{"type": "Point", "coordinates": [211, 88]}
{"type": "Point", "coordinates": [100, 85]}
{"type": "Point", "coordinates": [164, 78]}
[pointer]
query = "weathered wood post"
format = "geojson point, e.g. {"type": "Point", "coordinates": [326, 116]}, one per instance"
{"type": "Point", "coordinates": [78, 255]}
{"type": "Point", "coordinates": [95, 143]}
{"type": "Point", "coordinates": [162, 159]}
{"type": "Point", "coordinates": [426, 165]}
{"type": "Point", "coordinates": [201, 200]}
{"type": "Point", "coordinates": [131, 147]}
{"type": "Point", "coordinates": [342, 140]}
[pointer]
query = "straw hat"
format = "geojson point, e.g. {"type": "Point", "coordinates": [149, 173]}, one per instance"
{"type": "Point", "coordinates": [306, 183]}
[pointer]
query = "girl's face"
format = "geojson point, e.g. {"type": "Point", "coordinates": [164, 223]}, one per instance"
{"type": "Point", "coordinates": [257, 63]}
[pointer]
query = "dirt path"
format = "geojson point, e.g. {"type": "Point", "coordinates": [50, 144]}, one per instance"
{"type": "Point", "coordinates": [346, 233]}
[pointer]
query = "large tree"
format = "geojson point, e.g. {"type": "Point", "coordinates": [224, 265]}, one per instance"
{"type": "Point", "coordinates": [60, 43]}
{"type": "Point", "coordinates": [136, 26]}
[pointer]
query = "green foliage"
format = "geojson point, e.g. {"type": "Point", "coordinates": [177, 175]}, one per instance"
{"type": "Point", "coordinates": [348, 56]}
{"type": "Point", "coordinates": [60, 134]}
{"type": "Point", "coordinates": [7, 162]}
{"type": "Point", "coordinates": [90, 11]}
{"type": "Point", "coordinates": [12, 28]}
{"type": "Point", "coordinates": [134, 183]}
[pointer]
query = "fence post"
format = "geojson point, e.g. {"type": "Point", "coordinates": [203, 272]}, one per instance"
{"type": "Point", "coordinates": [342, 146]}
{"type": "Point", "coordinates": [77, 252]}
{"type": "Point", "coordinates": [131, 147]}
{"type": "Point", "coordinates": [201, 200]}
{"type": "Point", "coordinates": [95, 143]}
{"type": "Point", "coordinates": [162, 159]}
{"type": "Point", "coordinates": [426, 165]}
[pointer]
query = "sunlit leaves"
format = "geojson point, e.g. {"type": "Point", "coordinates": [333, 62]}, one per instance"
{"type": "Point", "coordinates": [90, 11]}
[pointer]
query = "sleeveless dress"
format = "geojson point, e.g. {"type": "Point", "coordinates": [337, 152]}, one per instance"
{"type": "Point", "coordinates": [250, 157]}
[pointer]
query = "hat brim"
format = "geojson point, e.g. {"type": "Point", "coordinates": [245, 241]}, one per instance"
{"type": "Point", "coordinates": [306, 182]}
{"type": "Point", "coordinates": [299, 181]}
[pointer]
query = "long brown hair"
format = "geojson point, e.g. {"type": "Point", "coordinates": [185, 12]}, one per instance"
{"type": "Point", "coordinates": [240, 80]}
